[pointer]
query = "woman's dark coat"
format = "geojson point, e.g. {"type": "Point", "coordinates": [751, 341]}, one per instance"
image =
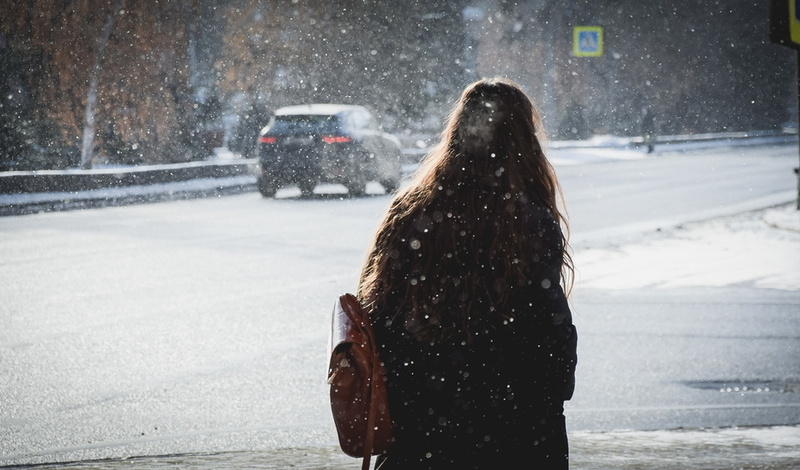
{"type": "Point", "coordinates": [496, 400]}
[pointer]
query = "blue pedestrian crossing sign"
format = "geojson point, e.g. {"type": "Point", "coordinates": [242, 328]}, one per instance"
{"type": "Point", "coordinates": [587, 41]}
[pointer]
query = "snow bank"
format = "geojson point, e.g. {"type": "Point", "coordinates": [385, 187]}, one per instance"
{"type": "Point", "coordinates": [760, 249]}
{"type": "Point", "coordinates": [729, 448]}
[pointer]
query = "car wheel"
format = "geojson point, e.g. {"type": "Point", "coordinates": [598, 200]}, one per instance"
{"type": "Point", "coordinates": [390, 185]}
{"type": "Point", "coordinates": [306, 188]}
{"type": "Point", "coordinates": [267, 187]}
{"type": "Point", "coordinates": [356, 188]}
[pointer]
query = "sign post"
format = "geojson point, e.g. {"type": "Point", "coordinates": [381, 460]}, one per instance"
{"type": "Point", "coordinates": [784, 25]}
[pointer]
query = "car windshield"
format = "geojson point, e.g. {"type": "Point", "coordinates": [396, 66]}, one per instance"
{"type": "Point", "coordinates": [304, 124]}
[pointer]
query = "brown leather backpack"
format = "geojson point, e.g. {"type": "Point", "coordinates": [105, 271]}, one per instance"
{"type": "Point", "coordinates": [358, 390]}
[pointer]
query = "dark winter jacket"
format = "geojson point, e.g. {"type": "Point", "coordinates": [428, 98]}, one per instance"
{"type": "Point", "coordinates": [495, 401]}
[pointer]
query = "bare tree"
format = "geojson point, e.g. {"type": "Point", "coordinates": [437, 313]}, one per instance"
{"type": "Point", "coordinates": [87, 147]}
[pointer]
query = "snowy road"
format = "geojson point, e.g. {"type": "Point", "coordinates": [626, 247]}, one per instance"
{"type": "Point", "coordinates": [201, 326]}
{"type": "Point", "coordinates": [620, 194]}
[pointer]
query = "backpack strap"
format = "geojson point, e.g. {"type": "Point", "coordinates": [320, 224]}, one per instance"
{"type": "Point", "coordinates": [359, 317]}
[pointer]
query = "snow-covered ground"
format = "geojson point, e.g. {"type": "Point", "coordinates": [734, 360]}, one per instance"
{"type": "Point", "coordinates": [773, 448]}
{"type": "Point", "coordinates": [759, 249]}
{"type": "Point", "coordinates": [731, 448]}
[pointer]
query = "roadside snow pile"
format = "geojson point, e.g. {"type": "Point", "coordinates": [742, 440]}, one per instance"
{"type": "Point", "coordinates": [786, 218]}
{"type": "Point", "coordinates": [160, 189]}
{"type": "Point", "coordinates": [740, 448]}
{"type": "Point", "coordinates": [760, 249]}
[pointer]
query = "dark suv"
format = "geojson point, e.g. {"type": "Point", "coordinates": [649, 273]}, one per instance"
{"type": "Point", "coordinates": [326, 143]}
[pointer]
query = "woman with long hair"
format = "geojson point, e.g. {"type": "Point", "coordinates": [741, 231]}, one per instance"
{"type": "Point", "coordinates": [464, 283]}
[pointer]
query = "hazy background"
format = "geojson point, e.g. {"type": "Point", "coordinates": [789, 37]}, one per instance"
{"type": "Point", "coordinates": [88, 82]}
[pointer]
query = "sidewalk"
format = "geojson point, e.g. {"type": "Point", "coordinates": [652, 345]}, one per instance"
{"type": "Point", "coordinates": [756, 448]}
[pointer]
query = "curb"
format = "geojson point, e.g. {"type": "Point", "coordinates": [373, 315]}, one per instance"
{"type": "Point", "coordinates": [19, 182]}
{"type": "Point", "coordinates": [25, 204]}
{"type": "Point", "coordinates": [738, 448]}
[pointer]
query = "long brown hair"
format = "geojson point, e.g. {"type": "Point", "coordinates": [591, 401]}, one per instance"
{"type": "Point", "coordinates": [452, 240]}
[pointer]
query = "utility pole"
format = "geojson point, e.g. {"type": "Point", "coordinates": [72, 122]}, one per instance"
{"type": "Point", "coordinates": [784, 20]}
